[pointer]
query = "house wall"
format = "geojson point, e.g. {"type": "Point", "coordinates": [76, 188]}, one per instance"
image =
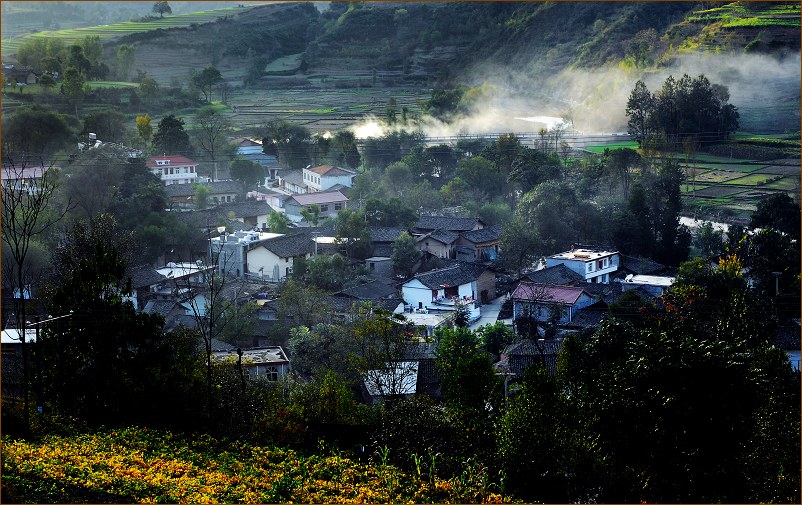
{"type": "Point", "coordinates": [588, 268]}
{"type": "Point", "coordinates": [383, 267]}
{"type": "Point", "coordinates": [181, 174]}
{"type": "Point", "coordinates": [293, 210]}
{"type": "Point", "coordinates": [486, 282]}
{"type": "Point", "coordinates": [542, 311]}
{"type": "Point", "coordinates": [274, 267]}
{"type": "Point", "coordinates": [416, 294]}
{"type": "Point", "coordinates": [436, 248]}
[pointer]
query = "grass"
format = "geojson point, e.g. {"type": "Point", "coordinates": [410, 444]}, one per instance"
{"type": "Point", "coordinates": [285, 63]}
{"type": "Point", "coordinates": [751, 180]}
{"type": "Point", "coordinates": [9, 46]}
{"type": "Point", "coordinates": [599, 149]}
{"type": "Point", "coordinates": [111, 84]}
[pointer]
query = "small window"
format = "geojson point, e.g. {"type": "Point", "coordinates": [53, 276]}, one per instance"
{"type": "Point", "coordinates": [324, 208]}
{"type": "Point", "coordinates": [599, 264]}
{"type": "Point", "coordinates": [590, 267]}
{"type": "Point", "coordinates": [338, 206]}
{"type": "Point", "coordinates": [606, 262]}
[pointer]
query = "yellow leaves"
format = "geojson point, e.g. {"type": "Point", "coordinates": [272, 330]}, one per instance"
{"type": "Point", "coordinates": [155, 467]}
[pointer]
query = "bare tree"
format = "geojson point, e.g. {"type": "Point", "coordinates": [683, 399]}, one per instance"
{"type": "Point", "coordinates": [388, 355]}
{"type": "Point", "coordinates": [29, 210]}
{"type": "Point", "coordinates": [211, 133]}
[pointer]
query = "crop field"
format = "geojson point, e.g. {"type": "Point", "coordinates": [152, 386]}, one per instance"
{"type": "Point", "coordinates": [751, 180]}
{"type": "Point", "coordinates": [599, 149]}
{"type": "Point", "coordinates": [716, 192]}
{"type": "Point", "coordinates": [9, 46]}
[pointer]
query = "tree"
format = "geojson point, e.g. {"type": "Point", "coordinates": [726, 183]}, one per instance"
{"type": "Point", "coordinates": [73, 87]}
{"type": "Point", "coordinates": [300, 305]}
{"type": "Point", "coordinates": [278, 222]}
{"type": "Point", "coordinates": [94, 180]}
{"type": "Point", "coordinates": [109, 124]}
{"type": "Point", "coordinates": [640, 107]}
{"type": "Point", "coordinates": [311, 214]}
{"type": "Point", "coordinates": [778, 211]}
{"type": "Point", "coordinates": [351, 231]}
{"type": "Point", "coordinates": [289, 142]}
{"type": "Point", "coordinates": [32, 134]}
{"type": "Point", "coordinates": [161, 8]}
{"type": "Point", "coordinates": [520, 246]}
{"type": "Point", "coordinates": [148, 89]}
{"type": "Point", "coordinates": [170, 137]}
{"type": "Point", "coordinates": [211, 131]}
{"type": "Point", "coordinates": [389, 212]}
{"type": "Point", "coordinates": [470, 386]}
{"type": "Point", "coordinates": [202, 193]}
{"type": "Point", "coordinates": [125, 58]}
{"type": "Point", "coordinates": [710, 240]}
{"type": "Point", "coordinates": [495, 337]}
{"type": "Point", "coordinates": [250, 174]}
{"type": "Point", "coordinates": [144, 128]}
{"type": "Point", "coordinates": [405, 255]}
{"type": "Point", "coordinates": [205, 80]}
{"type": "Point", "coordinates": [27, 215]}
{"type": "Point", "coordinates": [47, 82]}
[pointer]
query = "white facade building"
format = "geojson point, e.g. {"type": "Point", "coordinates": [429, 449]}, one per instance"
{"type": "Point", "coordinates": [173, 169]}
{"type": "Point", "coordinates": [594, 266]}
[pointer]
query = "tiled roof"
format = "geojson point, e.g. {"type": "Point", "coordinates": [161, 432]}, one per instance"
{"type": "Point", "coordinates": [219, 345]}
{"type": "Point", "coordinates": [545, 293]}
{"type": "Point", "coordinates": [215, 188]}
{"type": "Point", "coordinates": [443, 236]}
{"type": "Point", "coordinates": [244, 209]}
{"type": "Point", "coordinates": [458, 224]}
{"type": "Point", "coordinates": [370, 291]}
{"type": "Point", "coordinates": [528, 347]}
{"type": "Point", "coordinates": [608, 293]}
{"type": "Point", "coordinates": [451, 276]}
{"type": "Point", "coordinates": [787, 337]}
{"type": "Point", "coordinates": [161, 307]}
{"type": "Point", "coordinates": [318, 198]}
{"type": "Point", "coordinates": [491, 234]}
{"type": "Point", "coordinates": [175, 160]}
{"type": "Point", "coordinates": [290, 246]}
{"type": "Point", "coordinates": [639, 265]}
{"type": "Point", "coordinates": [144, 275]}
{"type": "Point", "coordinates": [330, 170]}
{"type": "Point", "coordinates": [246, 142]}
{"type": "Point", "coordinates": [265, 160]}
{"type": "Point", "coordinates": [558, 275]}
{"type": "Point", "coordinates": [385, 234]}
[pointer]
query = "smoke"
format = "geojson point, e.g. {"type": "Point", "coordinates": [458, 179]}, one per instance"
{"type": "Point", "coordinates": [764, 88]}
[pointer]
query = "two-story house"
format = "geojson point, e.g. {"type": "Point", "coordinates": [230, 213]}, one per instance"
{"type": "Point", "coordinates": [323, 177]}
{"type": "Point", "coordinates": [173, 169]}
{"type": "Point", "coordinates": [329, 203]}
{"type": "Point", "coordinates": [595, 266]}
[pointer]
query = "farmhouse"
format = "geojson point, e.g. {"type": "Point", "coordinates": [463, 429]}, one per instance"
{"type": "Point", "coordinates": [542, 302]}
{"type": "Point", "coordinates": [323, 177]}
{"type": "Point", "coordinates": [329, 203]}
{"type": "Point", "coordinates": [174, 169]}
{"type": "Point", "coordinates": [595, 266]}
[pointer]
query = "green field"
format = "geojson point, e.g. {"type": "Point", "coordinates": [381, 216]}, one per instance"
{"type": "Point", "coordinates": [284, 64]}
{"type": "Point", "coordinates": [599, 149]}
{"type": "Point", "coordinates": [9, 46]}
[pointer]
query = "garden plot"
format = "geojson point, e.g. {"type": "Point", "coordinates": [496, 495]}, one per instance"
{"type": "Point", "coordinates": [781, 167]}
{"type": "Point", "coordinates": [712, 176]}
{"type": "Point", "coordinates": [752, 180]}
{"type": "Point", "coordinates": [786, 183]}
{"type": "Point", "coordinates": [717, 191]}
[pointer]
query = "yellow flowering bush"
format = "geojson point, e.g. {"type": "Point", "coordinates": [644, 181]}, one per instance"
{"type": "Point", "coordinates": [147, 466]}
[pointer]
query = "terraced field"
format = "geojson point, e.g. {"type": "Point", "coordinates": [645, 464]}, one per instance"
{"type": "Point", "coordinates": [9, 46]}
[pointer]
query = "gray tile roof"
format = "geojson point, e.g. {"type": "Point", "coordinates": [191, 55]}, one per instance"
{"type": "Point", "coordinates": [244, 209]}
{"type": "Point", "coordinates": [637, 265]}
{"type": "Point", "coordinates": [144, 276]}
{"type": "Point", "coordinates": [161, 307]}
{"type": "Point", "coordinates": [385, 234]}
{"type": "Point", "coordinates": [288, 246]}
{"type": "Point", "coordinates": [451, 276]}
{"type": "Point", "coordinates": [491, 234]}
{"type": "Point", "coordinates": [558, 275]}
{"type": "Point", "coordinates": [370, 291]}
{"type": "Point", "coordinates": [787, 337]}
{"type": "Point", "coordinates": [527, 352]}
{"type": "Point", "coordinates": [458, 224]}
{"type": "Point", "coordinates": [443, 236]}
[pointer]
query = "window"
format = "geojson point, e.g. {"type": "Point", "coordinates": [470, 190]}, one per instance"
{"type": "Point", "coordinates": [599, 264]}
{"type": "Point", "coordinates": [324, 208]}
{"type": "Point", "coordinates": [268, 373]}
{"type": "Point", "coordinates": [590, 267]}
{"type": "Point", "coordinates": [338, 206]}
{"type": "Point", "coordinates": [606, 262]}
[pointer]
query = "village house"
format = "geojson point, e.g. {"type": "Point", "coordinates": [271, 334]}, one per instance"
{"type": "Point", "coordinates": [479, 245]}
{"type": "Point", "coordinates": [173, 169]}
{"type": "Point", "coordinates": [146, 281]}
{"type": "Point", "coordinates": [262, 363]}
{"type": "Point", "coordinates": [251, 150]}
{"type": "Point", "coordinates": [183, 195]}
{"type": "Point", "coordinates": [94, 143]}
{"type": "Point", "coordinates": [427, 224]}
{"type": "Point", "coordinates": [444, 289]}
{"type": "Point", "coordinates": [324, 177]}
{"type": "Point", "coordinates": [273, 259]}
{"type": "Point", "coordinates": [654, 285]}
{"type": "Point", "coordinates": [25, 178]}
{"type": "Point", "coordinates": [329, 203]}
{"type": "Point", "coordinates": [542, 302]}
{"type": "Point", "coordinates": [382, 239]}
{"type": "Point", "coordinates": [595, 266]}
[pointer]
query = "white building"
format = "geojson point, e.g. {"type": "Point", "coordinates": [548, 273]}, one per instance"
{"type": "Point", "coordinates": [323, 177]}
{"type": "Point", "coordinates": [173, 169]}
{"type": "Point", "coordinates": [594, 266]}
{"type": "Point", "coordinates": [655, 285]}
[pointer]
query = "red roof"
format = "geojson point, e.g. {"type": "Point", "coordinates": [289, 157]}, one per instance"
{"type": "Point", "coordinates": [175, 160]}
{"type": "Point", "coordinates": [545, 293]}
{"type": "Point", "coordinates": [330, 170]}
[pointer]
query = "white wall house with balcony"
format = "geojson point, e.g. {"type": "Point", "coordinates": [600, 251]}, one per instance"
{"type": "Point", "coordinates": [173, 169]}
{"type": "Point", "coordinates": [323, 177]}
{"type": "Point", "coordinates": [594, 265]}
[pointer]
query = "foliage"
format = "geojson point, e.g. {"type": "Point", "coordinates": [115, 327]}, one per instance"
{"type": "Point", "coordinates": [520, 246]}
{"type": "Point", "coordinates": [205, 80]}
{"type": "Point", "coordinates": [144, 128]}
{"type": "Point", "coordinates": [405, 255]}
{"type": "Point", "coordinates": [495, 337]}
{"type": "Point", "coordinates": [211, 132]}
{"type": "Point", "coordinates": [170, 137]}
{"type": "Point", "coordinates": [777, 211]}
{"type": "Point", "coordinates": [109, 124]}
{"type": "Point", "coordinates": [278, 222]}
{"type": "Point", "coordinates": [351, 231]}
{"type": "Point", "coordinates": [311, 214]}
{"type": "Point", "coordinates": [289, 142]}
{"type": "Point", "coordinates": [34, 133]}
{"type": "Point", "coordinates": [141, 465]}
{"type": "Point", "coordinates": [161, 8]}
